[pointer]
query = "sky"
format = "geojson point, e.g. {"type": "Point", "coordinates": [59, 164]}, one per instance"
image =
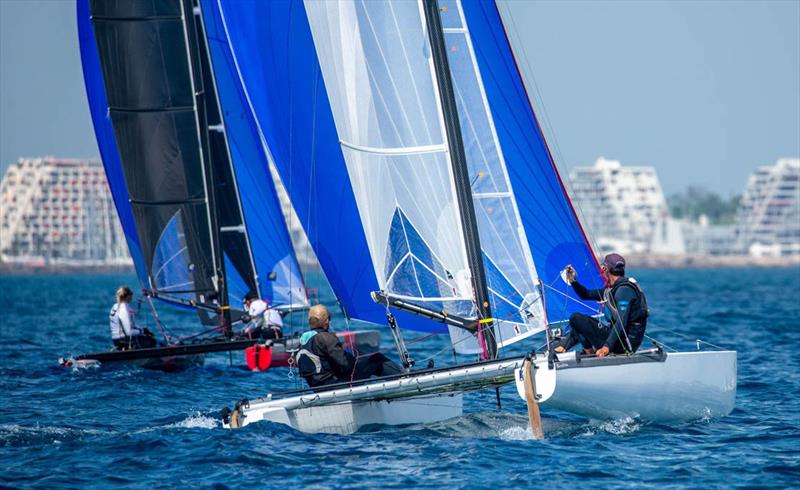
{"type": "Point", "coordinates": [705, 91]}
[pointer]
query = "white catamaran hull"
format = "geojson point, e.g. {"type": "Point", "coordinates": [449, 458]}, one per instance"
{"type": "Point", "coordinates": [683, 386]}
{"type": "Point", "coordinates": [349, 417]}
{"type": "Point", "coordinates": [422, 398]}
{"type": "Point", "coordinates": [650, 385]}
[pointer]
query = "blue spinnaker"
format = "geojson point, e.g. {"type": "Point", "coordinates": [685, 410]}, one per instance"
{"type": "Point", "coordinates": [279, 277]}
{"type": "Point", "coordinates": [172, 264]}
{"type": "Point", "coordinates": [106, 142]}
{"type": "Point", "coordinates": [276, 61]}
{"type": "Point", "coordinates": [554, 233]}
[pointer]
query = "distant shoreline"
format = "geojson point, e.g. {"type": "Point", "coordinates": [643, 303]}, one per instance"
{"type": "Point", "coordinates": [8, 269]}
{"type": "Point", "coordinates": [635, 261]}
{"type": "Point", "coordinates": [654, 261]}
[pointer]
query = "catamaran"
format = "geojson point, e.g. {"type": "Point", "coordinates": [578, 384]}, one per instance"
{"type": "Point", "coordinates": [407, 124]}
{"type": "Point", "coordinates": [190, 181]}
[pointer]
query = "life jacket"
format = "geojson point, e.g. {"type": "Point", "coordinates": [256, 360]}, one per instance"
{"type": "Point", "coordinates": [308, 362]}
{"type": "Point", "coordinates": [639, 311]}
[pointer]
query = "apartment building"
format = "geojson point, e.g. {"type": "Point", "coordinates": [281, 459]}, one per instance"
{"type": "Point", "coordinates": [59, 212]}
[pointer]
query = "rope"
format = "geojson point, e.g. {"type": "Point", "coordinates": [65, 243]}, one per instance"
{"type": "Point", "coordinates": [160, 325]}
{"type": "Point", "coordinates": [679, 334]}
{"type": "Point", "coordinates": [593, 308]}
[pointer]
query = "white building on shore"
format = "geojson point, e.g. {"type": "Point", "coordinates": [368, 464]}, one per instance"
{"type": "Point", "coordinates": [624, 208]}
{"type": "Point", "coordinates": [768, 223]}
{"type": "Point", "coordinates": [59, 212]}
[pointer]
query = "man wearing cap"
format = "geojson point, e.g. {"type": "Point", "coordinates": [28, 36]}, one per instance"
{"type": "Point", "coordinates": [622, 327]}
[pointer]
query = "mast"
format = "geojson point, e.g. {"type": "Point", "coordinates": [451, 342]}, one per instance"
{"type": "Point", "coordinates": [190, 15]}
{"type": "Point", "coordinates": [460, 170]}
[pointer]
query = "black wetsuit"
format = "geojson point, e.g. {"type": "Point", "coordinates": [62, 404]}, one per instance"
{"type": "Point", "coordinates": [335, 364]}
{"type": "Point", "coordinates": [625, 318]}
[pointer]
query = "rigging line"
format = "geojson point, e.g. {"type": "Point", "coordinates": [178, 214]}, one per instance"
{"type": "Point", "coordinates": [546, 118]}
{"type": "Point", "coordinates": [686, 336]}
{"type": "Point", "coordinates": [189, 337]}
{"type": "Point", "coordinates": [451, 346]}
{"type": "Point", "coordinates": [161, 326]}
{"type": "Point", "coordinates": [659, 343]}
{"type": "Point", "coordinates": [595, 309]}
{"type": "Point", "coordinates": [611, 302]}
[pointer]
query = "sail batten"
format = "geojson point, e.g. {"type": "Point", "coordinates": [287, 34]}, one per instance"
{"type": "Point", "coordinates": [405, 150]}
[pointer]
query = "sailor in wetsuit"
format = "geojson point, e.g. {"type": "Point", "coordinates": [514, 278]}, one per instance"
{"type": "Point", "coordinates": [322, 360]}
{"type": "Point", "coordinates": [262, 321]}
{"type": "Point", "coordinates": [624, 308]}
{"type": "Point", "coordinates": [124, 332]}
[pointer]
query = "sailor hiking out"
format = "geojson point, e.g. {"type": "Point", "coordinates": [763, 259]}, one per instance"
{"type": "Point", "coordinates": [262, 322]}
{"type": "Point", "coordinates": [124, 332]}
{"type": "Point", "coordinates": [622, 327]}
{"type": "Point", "coordinates": [322, 359]}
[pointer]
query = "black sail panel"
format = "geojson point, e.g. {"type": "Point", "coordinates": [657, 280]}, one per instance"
{"type": "Point", "coordinates": [147, 72]}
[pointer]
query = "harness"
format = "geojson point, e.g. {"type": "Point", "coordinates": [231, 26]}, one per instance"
{"type": "Point", "coordinates": [308, 363]}
{"type": "Point", "coordinates": [638, 311]}
{"type": "Point", "coordinates": [638, 314]}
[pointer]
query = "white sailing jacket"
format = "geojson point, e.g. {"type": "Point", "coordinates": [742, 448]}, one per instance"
{"type": "Point", "coordinates": [262, 315]}
{"type": "Point", "coordinates": [122, 322]}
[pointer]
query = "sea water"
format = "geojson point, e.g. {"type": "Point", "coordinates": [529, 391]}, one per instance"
{"type": "Point", "coordinates": [84, 428]}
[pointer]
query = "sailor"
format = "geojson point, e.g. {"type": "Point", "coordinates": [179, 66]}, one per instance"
{"type": "Point", "coordinates": [322, 360]}
{"type": "Point", "coordinates": [262, 321]}
{"type": "Point", "coordinates": [124, 332]}
{"type": "Point", "coordinates": [625, 312]}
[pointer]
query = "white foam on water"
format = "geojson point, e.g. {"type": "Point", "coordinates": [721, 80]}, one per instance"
{"type": "Point", "coordinates": [617, 427]}
{"type": "Point", "coordinates": [196, 421]}
{"type": "Point", "coordinates": [516, 434]}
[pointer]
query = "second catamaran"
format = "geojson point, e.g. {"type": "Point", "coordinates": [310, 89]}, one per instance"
{"type": "Point", "coordinates": [192, 188]}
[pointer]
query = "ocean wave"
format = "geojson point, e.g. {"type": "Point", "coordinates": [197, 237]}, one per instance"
{"type": "Point", "coordinates": [22, 435]}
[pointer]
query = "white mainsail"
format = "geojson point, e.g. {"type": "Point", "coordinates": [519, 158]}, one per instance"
{"type": "Point", "coordinates": [376, 63]}
{"type": "Point", "coordinates": [378, 72]}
